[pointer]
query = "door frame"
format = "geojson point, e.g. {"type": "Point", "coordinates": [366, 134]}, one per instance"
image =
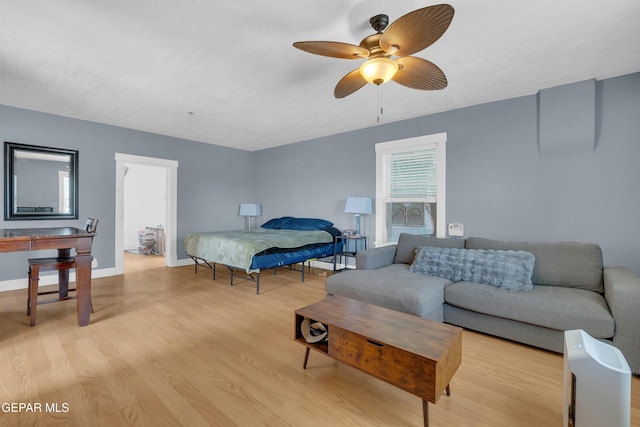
{"type": "Point", "coordinates": [171, 167]}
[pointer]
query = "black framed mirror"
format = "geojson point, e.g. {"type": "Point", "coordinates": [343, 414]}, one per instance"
{"type": "Point", "coordinates": [40, 182]}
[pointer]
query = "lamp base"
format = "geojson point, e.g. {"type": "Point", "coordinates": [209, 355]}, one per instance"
{"type": "Point", "coordinates": [357, 224]}
{"type": "Point", "coordinates": [249, 223]}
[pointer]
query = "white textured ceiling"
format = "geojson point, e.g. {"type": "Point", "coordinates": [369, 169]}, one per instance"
{"type": "Point", "coordinates": [224, 71]}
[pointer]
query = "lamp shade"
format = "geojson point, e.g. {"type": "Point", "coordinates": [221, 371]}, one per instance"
{"type": "Point", "coordinates": [379, 70]}
{"type": "Point", "coordinates": [359, 205]}
{"type": "Point", "coordinates": [250, 209]}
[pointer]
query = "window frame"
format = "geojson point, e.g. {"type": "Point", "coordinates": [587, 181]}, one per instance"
{"type": "Point", "coordinates": [437, 141]}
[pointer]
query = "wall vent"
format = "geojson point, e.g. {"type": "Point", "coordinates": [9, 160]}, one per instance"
{"type": "Point", "coordinates": [566, 119]}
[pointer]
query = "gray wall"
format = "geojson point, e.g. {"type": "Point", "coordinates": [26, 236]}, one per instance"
{"type": "Point", "coordinates": [212, 180]}
{"type": "Point", "coordinates": [497, 183]}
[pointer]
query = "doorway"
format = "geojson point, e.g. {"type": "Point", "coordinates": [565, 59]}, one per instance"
{"type": "Point", "coordinates": [145, 216]}
{"type": "Point", "coordinates": [167, 170]}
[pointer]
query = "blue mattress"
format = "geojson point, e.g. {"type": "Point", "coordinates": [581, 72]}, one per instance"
{"type": "Point", "coordinates": [279, 259]}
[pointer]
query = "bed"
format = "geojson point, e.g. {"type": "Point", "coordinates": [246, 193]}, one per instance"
{"type": "Point", "coordinates": [279, 242]}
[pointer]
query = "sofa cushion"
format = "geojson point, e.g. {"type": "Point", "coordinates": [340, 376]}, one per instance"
{"type": "Point", "coordinates": [551, 307]}
{"type": "Point", "coordinates": [566, 264]}
{"type": "Point", "coordinates": [504, 269]}
{"type": "Point", "coordinates": [393, 287]}
{"type": "Point", "coordinates": [408, 243]}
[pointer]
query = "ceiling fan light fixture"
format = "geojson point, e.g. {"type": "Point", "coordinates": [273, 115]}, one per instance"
{"type": "Point", "coordinates": [407, 35]}
{"type": "Point", "coordinates": [379, 70]}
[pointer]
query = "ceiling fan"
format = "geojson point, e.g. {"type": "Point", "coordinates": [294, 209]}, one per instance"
{"type": "Point", "coordinates": [405, 36]}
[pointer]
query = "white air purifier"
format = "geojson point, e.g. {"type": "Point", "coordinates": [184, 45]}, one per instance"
{"type": "Point", "coordinates": [597, 383]}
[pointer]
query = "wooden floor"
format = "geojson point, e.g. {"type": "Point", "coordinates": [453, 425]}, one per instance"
{"type": "Point", "coordinates": [167, 347]}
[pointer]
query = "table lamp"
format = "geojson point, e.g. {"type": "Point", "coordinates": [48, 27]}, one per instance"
{"type": "Point", "coordinates": [250, 210]}
{"type": "Point", "coordinates": [358, 206]}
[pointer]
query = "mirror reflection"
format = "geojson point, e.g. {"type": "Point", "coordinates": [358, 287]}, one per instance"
{"type": "Point", "coordinates": [40, 182]}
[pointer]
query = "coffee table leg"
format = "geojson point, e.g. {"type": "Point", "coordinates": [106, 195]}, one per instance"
{"type": "Point", "coordinates": [425, 407]}
{"type": "Point", "coordinates": [306, 358]}
{"type": "Point", "coordinates": [425, 412]}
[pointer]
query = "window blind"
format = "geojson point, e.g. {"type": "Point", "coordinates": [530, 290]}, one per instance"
{"type": "Point", "coordinates": [410, 175]}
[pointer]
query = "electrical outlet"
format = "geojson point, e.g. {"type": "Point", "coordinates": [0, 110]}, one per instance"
{"type": "Point", "coordinates": [456, 229]}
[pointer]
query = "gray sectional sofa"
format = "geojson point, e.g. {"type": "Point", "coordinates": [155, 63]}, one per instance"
{"type": "Point", "coordinates": [568, 289]}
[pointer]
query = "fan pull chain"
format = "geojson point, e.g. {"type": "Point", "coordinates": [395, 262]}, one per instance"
{"type": "Point", "coordinates": [380, 109]}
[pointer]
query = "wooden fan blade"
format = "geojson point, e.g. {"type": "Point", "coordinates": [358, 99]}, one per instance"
{"type": "Point", "coordinates": [349, 84]}
{"type": "Point", "coordinates": [333, 49]}
{"type": "Point", "coordinates": [416, 30]}
{"type": "Point", "coordinates": [418, 73]}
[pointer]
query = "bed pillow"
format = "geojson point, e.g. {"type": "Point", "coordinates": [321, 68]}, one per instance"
{"type": "Point", "coordinates": [333, 231]}
{"type": "Point", "coordinates": [276, 223]}
{"type": "Point", "coordinates": [499, 268]}
{"type": "Point", "coordinates": [306, 224]}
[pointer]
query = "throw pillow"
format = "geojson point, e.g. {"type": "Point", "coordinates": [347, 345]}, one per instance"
{"type": "Point", "coordinates": [436, 261]}
{"type": "Point", "coordinates": [503, 269]}
{"type": "Point", "coordinates": [408, 243]}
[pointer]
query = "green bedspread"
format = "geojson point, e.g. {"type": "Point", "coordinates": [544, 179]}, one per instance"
{"type": "Point", "coordinates": [237, 248]}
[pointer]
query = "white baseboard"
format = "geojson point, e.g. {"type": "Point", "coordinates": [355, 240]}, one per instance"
{"type": "Point", "coordinates": [183, 262]}
{"type": "Point", "coordinates": [52, 279]}
{"type": "Point", "coordinates": [328, 265]}
{"type": "Point", "coordinates": [323, 265]}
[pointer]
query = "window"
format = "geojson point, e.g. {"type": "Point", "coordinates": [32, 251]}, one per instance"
{"type": "Point", "coordinates": [410, 187]}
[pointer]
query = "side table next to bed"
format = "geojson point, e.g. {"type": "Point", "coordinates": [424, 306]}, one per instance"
{"type": "Point", "coordinates": [348, 249]}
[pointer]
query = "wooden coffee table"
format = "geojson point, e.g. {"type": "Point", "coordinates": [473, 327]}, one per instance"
{"type": "Point", "coordinates": [417, 355]}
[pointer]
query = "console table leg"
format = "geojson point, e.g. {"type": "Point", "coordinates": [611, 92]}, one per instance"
{"type": "Point", "coordinates": [306, 358]}
{"type": "Point", "coordinates": [425, 412]}
{"type": "Point", "coordinates": [63, 275]}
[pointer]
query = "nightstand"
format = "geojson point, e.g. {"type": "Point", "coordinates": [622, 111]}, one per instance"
{"type": "Point", "coordinates": [350, 247]}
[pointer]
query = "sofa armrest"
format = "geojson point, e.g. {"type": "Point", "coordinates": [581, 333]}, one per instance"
{"type": "Point", "coordinates": [622, 292]}
{"type": "Point", "coordinates": [375, 258]}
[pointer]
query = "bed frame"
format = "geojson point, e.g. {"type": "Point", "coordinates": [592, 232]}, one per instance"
{"type": "Point", "coordinates": [280, 242]}
{"type": "Point", "coordinates": [253, 277]}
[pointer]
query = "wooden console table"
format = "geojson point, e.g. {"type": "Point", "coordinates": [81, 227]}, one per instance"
{"type": "Point", "coordinates": [417, 355]}
{"type": "Point", "coordinates": [63, 239]}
